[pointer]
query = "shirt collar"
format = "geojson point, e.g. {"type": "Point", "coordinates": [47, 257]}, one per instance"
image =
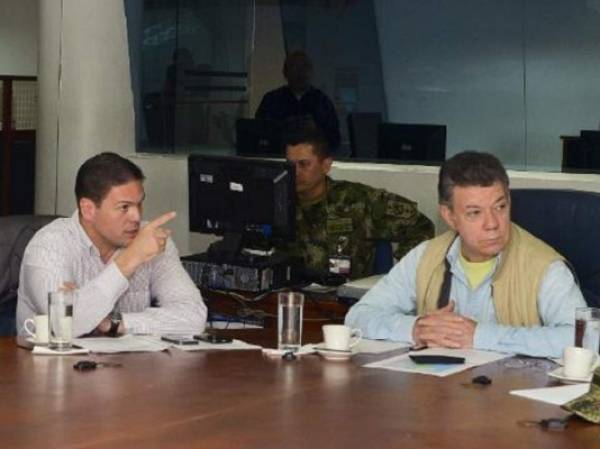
{"type": "Point", "coordinates": [454, 252]}
{"type": "Point", "coordinates": [320, 198]}
{"type": "Point", "coordinates": [82, 236]}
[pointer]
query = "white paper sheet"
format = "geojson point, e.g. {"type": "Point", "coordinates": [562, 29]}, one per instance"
{"type": "Point", "coordinates": [554, 395]}
{"type": "Point", "coordinates": [204, 346]}
{"type": "Point", "coordinates": [217, 324]}
{"type": "Point", "coordinates": [472, 357]}
{"type": "Point", "coordinates": [378, 346]}
{"type": "Point", "coordinates": [305, 349]}
{"type": "Point", "coordinates": [372, 346]}
{"type": "Point", "coordinates": [44, 350]}
{"type": "Point", "coordinates": [126, 343]}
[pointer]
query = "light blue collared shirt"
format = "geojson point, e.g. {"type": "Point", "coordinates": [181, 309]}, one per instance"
{"type": "Point", "coordinates": [388, 310]}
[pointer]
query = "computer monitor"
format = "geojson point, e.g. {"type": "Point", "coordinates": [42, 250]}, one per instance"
{"type": "Point", "coordinates": [363, 131]}
{"type": "Point", "coordinates": [413, 143]}
{"type": "Point", "coordinates": [258, 137]}
{"type": "Point", "coordinates": [247, 200]}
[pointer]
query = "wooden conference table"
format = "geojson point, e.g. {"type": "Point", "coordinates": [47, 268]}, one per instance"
{"type": "Point", "coordinates": [242, 399]}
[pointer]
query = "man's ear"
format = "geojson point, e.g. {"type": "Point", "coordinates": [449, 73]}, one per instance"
{"type": "Point", "coordinates": [327, 162]}
{"type": "Point", "coordinates": [87, 208]}
{"type": "Point", "coordinates": [448, 216]}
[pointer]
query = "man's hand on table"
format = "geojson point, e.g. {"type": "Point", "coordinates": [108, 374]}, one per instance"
{"type": "Point", "coordinates": [444, 328]}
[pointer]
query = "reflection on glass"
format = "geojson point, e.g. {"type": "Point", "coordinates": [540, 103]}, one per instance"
{"type": "Point", "coordinates": [512, 78]}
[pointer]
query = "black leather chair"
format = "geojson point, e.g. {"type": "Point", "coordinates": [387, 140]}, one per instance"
{"type": "Point", "coordinates": [15, 233]}
{"type": "Point", "coordinates": [569, 221]}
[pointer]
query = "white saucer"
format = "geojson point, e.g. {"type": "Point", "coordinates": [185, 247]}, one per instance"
{"type": "Point", "coordinates": [334, 354]}
{"type": "Point", "coordinates": [34, 342]}
{"type": "Point", "coordinates": [559, 374]}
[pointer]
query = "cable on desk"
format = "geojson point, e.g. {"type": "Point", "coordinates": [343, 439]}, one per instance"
{"type": "Point", "coordinates": [245, 311]}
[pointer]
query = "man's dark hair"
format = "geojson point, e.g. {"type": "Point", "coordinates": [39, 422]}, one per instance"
{"type": "Point", "coordinates": [469, 168]}
{"type": "Point", "coordinates": [304, 130]}
{"type": "Point", "coordinates": [100, 173]}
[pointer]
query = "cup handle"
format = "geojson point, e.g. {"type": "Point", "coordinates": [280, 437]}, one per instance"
{"type": "Point", "coordinates": [25, 326]}
{"type": "Point", "coordinates": [357, 335]}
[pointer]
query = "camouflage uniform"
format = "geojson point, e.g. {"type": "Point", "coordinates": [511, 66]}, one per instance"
{"type": "Point", "coordinates": [588, 405]}
{"type": "Point", "coordinates": [349, 219]}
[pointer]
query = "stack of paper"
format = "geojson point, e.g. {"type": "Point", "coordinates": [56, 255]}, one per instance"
{"type": "Point", "coordinates": [472, 358]}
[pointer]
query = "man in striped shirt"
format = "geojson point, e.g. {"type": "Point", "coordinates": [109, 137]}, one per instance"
{"type": "Point", "coordinates": [119, 265]}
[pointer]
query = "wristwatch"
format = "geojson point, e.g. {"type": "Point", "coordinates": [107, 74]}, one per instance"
{"type": "Point", "coordinates": [115, 321]}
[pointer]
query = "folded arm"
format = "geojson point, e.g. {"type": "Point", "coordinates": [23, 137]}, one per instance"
{"type": "Point", "coordinates": [558, 298]}
{"type": "Point", "coordinates": [388, 310]}
{"type": "Point", "coordinates": [180, 306]}
{"type": "Point", "coordinates": [43, 271]}
{"type": "Point", "coordinates": [398, 220]}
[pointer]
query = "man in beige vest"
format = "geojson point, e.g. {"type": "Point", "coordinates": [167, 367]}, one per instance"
{"type": "Point", "coordinates": [485, 284]}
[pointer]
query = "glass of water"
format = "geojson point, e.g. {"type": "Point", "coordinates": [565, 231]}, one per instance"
{"type": "Point", "coordinates": [289, 320]}
{"type": "Point", "coordinates": [60, 319]}
{"type": "Point", "coordinates": [587, 328]}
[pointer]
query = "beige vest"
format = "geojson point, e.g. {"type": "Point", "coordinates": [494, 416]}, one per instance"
{"type": "Point", "coordinates": [515, 284]}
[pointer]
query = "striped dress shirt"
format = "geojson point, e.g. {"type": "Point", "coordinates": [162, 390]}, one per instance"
{"type": "Point", "coordinates": [62, 252]}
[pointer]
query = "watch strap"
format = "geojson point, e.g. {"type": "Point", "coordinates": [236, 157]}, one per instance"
{"type": "Point", "coordinates": [115, 322]}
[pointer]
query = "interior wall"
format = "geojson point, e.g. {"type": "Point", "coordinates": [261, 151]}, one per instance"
{"type": "Point", "coordinates": [166, 189]}
{"type": "Point", "coordinates": [18, 37]}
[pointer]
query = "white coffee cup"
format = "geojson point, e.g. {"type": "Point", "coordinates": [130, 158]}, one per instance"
{"type": "Point", "coordinates": [340, 337]}
{"type": "Point", "coordinates": [37, 328]}
{"type": "Point", "coordinates": [578, 362]}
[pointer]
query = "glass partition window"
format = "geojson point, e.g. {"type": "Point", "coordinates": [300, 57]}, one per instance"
{"type": "Point", "coordinates": [516, 78]}
{"type": "Point", "coordinates": [194, 73]}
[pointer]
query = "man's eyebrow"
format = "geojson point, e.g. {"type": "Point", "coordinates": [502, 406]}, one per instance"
{"type": "Point", "coordinates": [132, 202]}
{"type": "Point", "coordinates": [475, 206]}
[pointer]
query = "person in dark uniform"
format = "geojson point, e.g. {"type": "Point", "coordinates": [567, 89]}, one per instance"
{"type": "Point", "coordinates": [299, 98]}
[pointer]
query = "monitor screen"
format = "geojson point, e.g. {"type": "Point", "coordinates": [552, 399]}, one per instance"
{"type": "Point", "coordinates": [412, 143]}
{"type": "Point", "coordinates": [251, 197]}
{"type": "Point", "coordinates": [257, 137]}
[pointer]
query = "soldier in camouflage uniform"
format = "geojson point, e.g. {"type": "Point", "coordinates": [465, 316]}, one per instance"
{"type": "Point", "coordinates": [337, 222]}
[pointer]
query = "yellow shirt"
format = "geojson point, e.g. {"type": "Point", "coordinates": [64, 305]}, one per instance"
{"type": "Point", "coordinates": [477, 271]}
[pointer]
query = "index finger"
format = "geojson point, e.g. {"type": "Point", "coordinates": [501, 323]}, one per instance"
{"type": "Point", "coordinates": [162, 219]}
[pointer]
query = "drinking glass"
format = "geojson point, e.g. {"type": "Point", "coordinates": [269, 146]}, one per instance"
{"type": "Point", "coordinates": [289, 320]}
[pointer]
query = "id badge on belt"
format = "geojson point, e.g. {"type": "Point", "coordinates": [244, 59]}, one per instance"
{"type": "Point", "coordinates": [339, 263]}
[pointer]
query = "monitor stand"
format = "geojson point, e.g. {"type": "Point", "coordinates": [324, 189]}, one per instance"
{"type": "Point", "coordinates": [227, 249]}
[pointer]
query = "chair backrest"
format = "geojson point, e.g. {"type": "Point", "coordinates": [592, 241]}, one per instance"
{"type": "Point", "coordinates": [569, 221]}
{"type": "Point", "coordinates": [15, 233]}
{"type": "Point", "coordinates": [384, 257]}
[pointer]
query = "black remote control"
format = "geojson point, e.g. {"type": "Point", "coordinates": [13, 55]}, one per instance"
{"type": "Point", "coordinates": [439, 359]}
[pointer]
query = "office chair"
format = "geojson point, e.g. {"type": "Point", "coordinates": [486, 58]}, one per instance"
{"type": "Point", "coordinates": [569, 221]}
{"type": "Point", "coordinates": [15, 233]}
{"type": "Point", "coordinates": [384, 257]}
